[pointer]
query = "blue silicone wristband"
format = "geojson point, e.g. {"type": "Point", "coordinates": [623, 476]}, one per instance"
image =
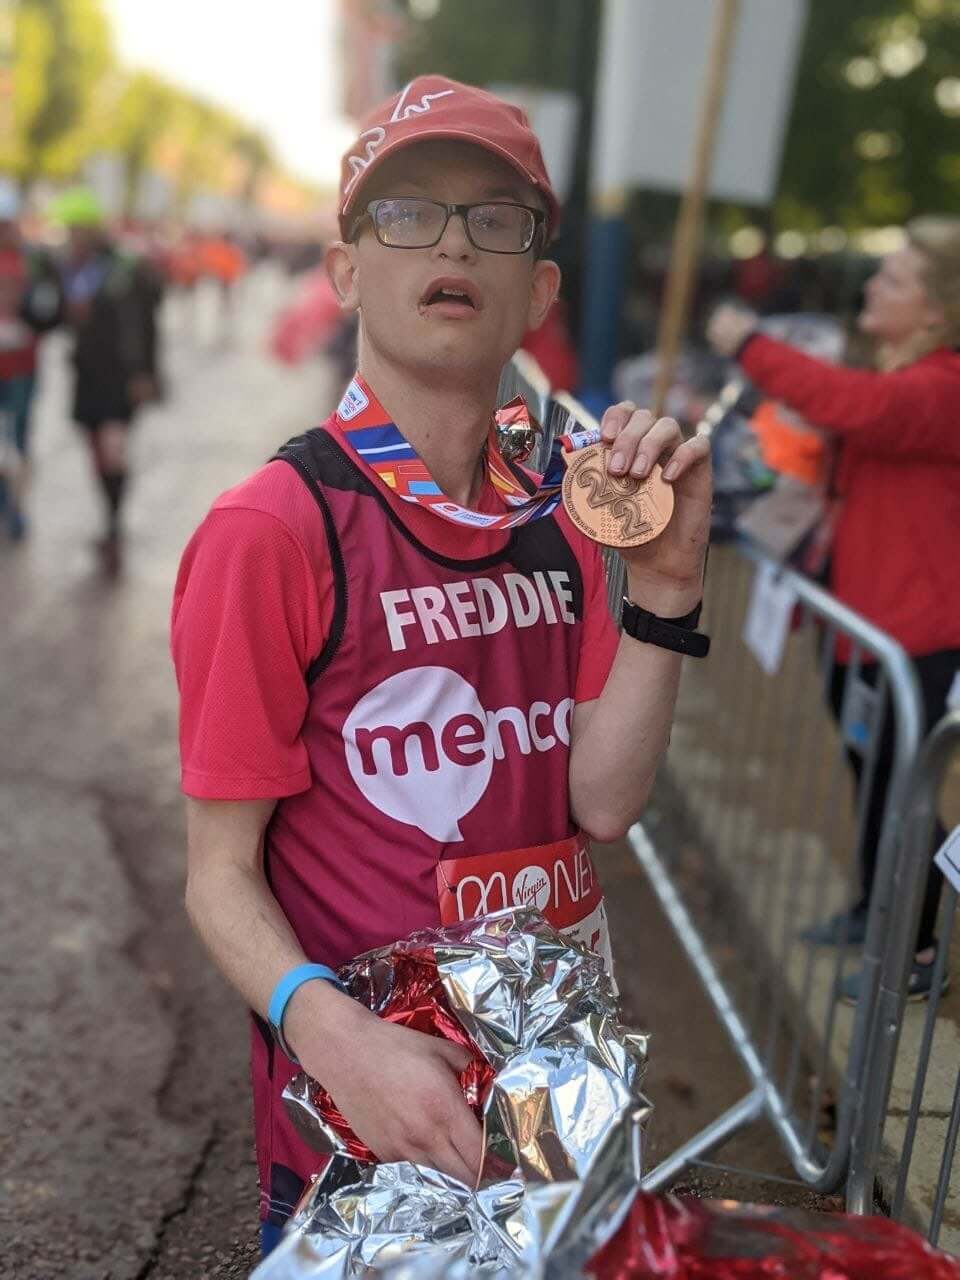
{"type": "Point", "coordinates": [285, 988]}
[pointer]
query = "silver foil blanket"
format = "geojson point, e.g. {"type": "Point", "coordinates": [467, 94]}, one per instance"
{"type": "Point", "coordinates": [563, 1121]}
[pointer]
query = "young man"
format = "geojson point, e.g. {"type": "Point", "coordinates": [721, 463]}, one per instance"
{"type": "Point", "coordinates": [380, 693]}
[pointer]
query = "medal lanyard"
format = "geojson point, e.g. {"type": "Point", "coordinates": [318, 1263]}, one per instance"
{"type": "Point", "coordinates": [380, 444]}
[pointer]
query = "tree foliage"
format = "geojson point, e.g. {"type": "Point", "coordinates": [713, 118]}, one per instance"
{"type": "Point", "coordinates": [62, 52]}
{"type": "Point", "coordinates": [869, 142]}
{"type": "Point", "coordinates": [71, 100]}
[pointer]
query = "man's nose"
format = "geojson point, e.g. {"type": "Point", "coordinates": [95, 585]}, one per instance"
{"type": "Point", "coordinates": [455, 243]}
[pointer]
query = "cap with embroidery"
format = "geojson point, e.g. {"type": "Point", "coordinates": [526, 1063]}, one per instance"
{"type": "Point", "coordinates": [435, 107]}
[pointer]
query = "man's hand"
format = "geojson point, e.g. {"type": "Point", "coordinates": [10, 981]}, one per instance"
{"type": "Point", "coordinates": [667, 573]}
{"type": "Point", "coordinates": [396, 1088]}
{"type": "Point", "coordinates": [729, 327]}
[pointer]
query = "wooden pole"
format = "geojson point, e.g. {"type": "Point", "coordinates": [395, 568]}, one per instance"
{"type": "Point", "coordinates": [688, 232]}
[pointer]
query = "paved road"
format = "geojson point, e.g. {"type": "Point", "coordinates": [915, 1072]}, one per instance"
{"type": "Point", "coordinates": [125, 1143]}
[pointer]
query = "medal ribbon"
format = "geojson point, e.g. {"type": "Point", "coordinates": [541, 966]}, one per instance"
{"type": "Point", "coordinates": [380, 444]}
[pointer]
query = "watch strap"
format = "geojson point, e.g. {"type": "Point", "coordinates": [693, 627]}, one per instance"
{"type": "Point", "coordinates": [676, 634]}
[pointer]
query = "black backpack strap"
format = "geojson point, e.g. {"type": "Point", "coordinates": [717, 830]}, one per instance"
{"type": "Point", "coordinates": [302, 454]}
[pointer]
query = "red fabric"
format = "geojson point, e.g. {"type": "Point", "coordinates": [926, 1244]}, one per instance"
{"type": "Point", "coordinates": [19, 363]}
{"type": "Point", "coordinates": [435, 107]}
{"type": "Point", "coordinates": [252, 608]}
{"type": "Point", "coordinates": [898, 478]}
{"type": "Point", "coordinates": [666, 1238]}
{"type": "Point", "coordinates": [305, 326]}
{"type": "Point", "coordinates": [552, 348]}
{"type": "Point", "coordinates": [417, 1000]}
{"type": "Point", "coordinates": [19, 360]}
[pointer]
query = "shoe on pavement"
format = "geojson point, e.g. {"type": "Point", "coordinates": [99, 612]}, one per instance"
{"type": "Point", "coordinates": [16, 524]}
{"type": "Point", "coordinates": [110, 549]}
{"type": "Point", "coordinates": [919, 984]}
{"type": "Point", "coordinates": [846, 927]}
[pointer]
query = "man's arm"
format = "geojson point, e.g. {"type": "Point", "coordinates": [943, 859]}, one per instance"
{"type": "Point", "coordinates": [620, 737]}
{"type": "Point", "coordinates": [396, 1088]}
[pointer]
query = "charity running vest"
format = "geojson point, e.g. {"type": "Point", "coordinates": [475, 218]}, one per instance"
{"type": "Point", "coordinates": [438, 734]}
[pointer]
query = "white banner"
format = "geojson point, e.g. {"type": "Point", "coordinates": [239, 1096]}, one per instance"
{"type": "Point", "coordinates": [652, 70]}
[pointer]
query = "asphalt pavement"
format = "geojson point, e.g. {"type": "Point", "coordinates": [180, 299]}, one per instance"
{"type": "Point", "coordinates": [125, 1134]}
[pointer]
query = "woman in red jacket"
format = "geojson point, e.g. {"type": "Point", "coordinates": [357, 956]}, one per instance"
{"type": "Point", "coordinates": [896, 549]}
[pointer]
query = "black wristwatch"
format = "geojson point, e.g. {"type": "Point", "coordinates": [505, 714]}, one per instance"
{"type": "Point", "coordinates": [678, 634]}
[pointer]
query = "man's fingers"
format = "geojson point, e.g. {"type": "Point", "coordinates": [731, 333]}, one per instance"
{"type": "Point", "coordinates": [466, 1135]}
{"type": "Point", "coordinates": [615, 419]}
{"type": "Point", "coordinates": [642, 444]}
{"type": "Point", "coordinates": [458, 1057]}
{"type": "Point", "coordinates": [455, 1165]}
{"type": "Point", "coordinates": [687, 455]}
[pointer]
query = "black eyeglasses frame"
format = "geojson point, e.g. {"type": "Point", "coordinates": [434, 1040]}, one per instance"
{"type": "Point", "coordinates": [460, 210]}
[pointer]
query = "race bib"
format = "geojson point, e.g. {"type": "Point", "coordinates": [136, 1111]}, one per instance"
{"type": "Point", "coordinates": [558, 879]}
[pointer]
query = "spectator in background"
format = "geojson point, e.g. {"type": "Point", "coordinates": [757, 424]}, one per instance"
{"type": "Point", "coordinates": [31, 302]}
{"type": "Point", "coordinates": [894, 555]}
{"type": "Point", "coordinates": [759, 279]}
{"type": "Point", "coordinates": [111, 302]}
{"type": "Point", "coordinates": [223, 261]}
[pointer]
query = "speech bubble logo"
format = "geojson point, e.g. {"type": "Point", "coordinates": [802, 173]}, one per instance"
{"type": "Point", "coordinates": [531, 888]}
{"type": "Point", "coordinates": [416, 746]}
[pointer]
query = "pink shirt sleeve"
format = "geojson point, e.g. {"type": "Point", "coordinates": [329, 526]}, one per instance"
{"type": "Point", "coordinates": [600, 637]}
{"type": "Point", "coordinates": [250, 613]}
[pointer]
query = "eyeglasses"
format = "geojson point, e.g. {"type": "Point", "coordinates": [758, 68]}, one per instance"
{"type": "Point", "coordinates": [408, 222]}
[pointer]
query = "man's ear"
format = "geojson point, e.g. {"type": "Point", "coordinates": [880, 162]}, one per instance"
{"type": "Point", "coordinates": [343, 272]}
{"type": "Point", "coordinates": [543, 291]}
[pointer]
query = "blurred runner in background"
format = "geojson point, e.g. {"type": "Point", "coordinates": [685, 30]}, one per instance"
{"type": "Point", "coordinates": [31, 302]}
{"type": "Point", "coordinates": [111, 302]}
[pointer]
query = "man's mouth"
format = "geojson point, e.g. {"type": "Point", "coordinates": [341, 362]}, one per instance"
{"type": "Point", "coordinates": [449, 295]}
{"type": "Point", "coordinates": [452, 295]}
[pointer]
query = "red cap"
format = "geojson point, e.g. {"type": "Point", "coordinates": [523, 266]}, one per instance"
{"type": "Point", "coordinates": [434, 107]}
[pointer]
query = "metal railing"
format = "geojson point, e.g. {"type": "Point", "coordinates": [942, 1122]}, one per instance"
{"type": "Point", "coordinates": [775, 853]}
{"type": "Point", "coordinates": [887, 1138]}
{"type": "Point", "coordinates": [777, 835]}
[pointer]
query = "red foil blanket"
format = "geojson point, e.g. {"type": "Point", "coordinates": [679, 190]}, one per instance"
{"type": "Point", "coordinates": [666, 1238]}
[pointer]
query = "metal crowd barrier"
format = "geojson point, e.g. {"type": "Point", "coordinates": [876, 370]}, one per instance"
{"type": "Point", "coordinates": [909, 1121]}
{"type": "Point", "coordinates": [772, 842]}
{"type": "Point", "coordinates": [773, 850]}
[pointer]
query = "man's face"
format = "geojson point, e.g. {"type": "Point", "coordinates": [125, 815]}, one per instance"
{"type": "Point", "coordinates": [396, 290]}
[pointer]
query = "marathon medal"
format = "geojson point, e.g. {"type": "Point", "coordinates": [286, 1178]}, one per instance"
{"type": "Point", "coordinates": [617, 511]}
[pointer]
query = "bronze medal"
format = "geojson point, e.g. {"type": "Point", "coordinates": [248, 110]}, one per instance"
{"type": "Point", "coordinates": [617, 511]}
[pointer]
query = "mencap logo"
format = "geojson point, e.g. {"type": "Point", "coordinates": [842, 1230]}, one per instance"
{"type": "Point", "coordinates": [421, 748]}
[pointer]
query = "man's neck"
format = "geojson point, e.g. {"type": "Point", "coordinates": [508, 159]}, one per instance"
{"type": "Point", "coordinates": [448, 424]}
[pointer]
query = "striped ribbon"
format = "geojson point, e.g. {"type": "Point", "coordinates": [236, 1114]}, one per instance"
{"type": "Point", "coordinates": [379, 443]}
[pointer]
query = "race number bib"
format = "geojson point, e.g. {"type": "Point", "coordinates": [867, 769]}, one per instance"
{"type": "Point", "coordinates": [559, 879]}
